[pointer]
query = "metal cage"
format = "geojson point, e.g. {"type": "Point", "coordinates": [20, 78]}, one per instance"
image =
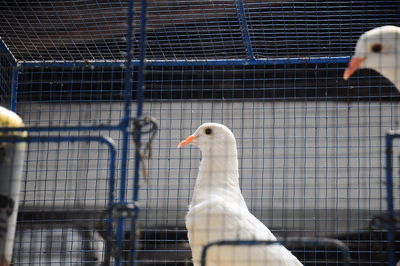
{"type": "Point", "coordinates": [311, 145]}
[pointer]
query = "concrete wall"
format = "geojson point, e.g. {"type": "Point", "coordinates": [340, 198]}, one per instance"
{"type": "Point", "coordinates": [301, 162]}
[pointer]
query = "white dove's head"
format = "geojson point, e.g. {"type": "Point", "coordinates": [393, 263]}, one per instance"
{"type": "Point", "coordinates": [379, 50]}
{"type": "Point", "coordinates": [212, 139]}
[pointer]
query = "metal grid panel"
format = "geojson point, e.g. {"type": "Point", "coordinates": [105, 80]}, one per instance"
{"type": "Point", "coordinates": [64, 30]}
{"type": "Point", "coordinates": [310, 154]}
{"type": "Point", "coordinates": [7, 75]}
{"type": "Point", "coordinates": [61, 208]}
{"type": "Point", "coordinates": [66, 191]}
{"type": "Point", "coordinates": [56, 96]}
{"type": "Point", "coordinates": [313, 28]}
{"type": "Point", "coordinates": [189, 29]}
{"type": "Point", "coordinates": [310, 144]}
{"type": "Point", "coordinates": [58, 246]}
{"type": "Point", "coordinates": [194, 30]}
{"type": "Point", "coordinates": [64, 201]}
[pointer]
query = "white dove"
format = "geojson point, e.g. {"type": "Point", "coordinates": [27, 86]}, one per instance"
{"type": "Point", "coordinates": [378, 49]}
{"type": "Point", "coordinates": [218, 210]}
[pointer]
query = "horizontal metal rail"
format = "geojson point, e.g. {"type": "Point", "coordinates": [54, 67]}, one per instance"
{"type": "Point", "coordinates": [303, 240]}
{"type": "Point", "coordinates": [101, 139]}
{"type": "Point", "coordinates": [194, 62]}
{"type": "Point", "coordinates": [62, 128]}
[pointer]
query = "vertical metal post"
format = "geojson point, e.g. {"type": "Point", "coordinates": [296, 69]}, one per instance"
{"type": "Point", "coordinates": [139, 113]}
{"type": "Point", "coordinates": [14, 75]}
{"type": "Point", "coordinates": [124, 125]}
{"type": "Point", "coordinates": [245, 29]}
{"type": "Point", "coordinates": [14, 88]}
{"type": "Point", "coordinates": [389, 194]}
{"type": "Point", "coordinates": [140, 93]}
{"type": "Point", "coordinates": [111, 198]}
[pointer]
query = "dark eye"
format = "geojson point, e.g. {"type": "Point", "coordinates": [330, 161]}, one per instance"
{"type": "Point", "coordinates": [376, 48]}
{"type": "Point", "coordinates": [208, 131]}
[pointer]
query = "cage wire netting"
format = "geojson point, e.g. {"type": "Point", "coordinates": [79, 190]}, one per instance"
{"type": "Point", "coordinates": [310, 145]}
{"type": "Point", "coordinates": [6, 76]}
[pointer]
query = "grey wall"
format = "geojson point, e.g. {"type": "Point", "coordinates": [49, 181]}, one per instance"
{"type": "Point", "coordinates": [311, 163]}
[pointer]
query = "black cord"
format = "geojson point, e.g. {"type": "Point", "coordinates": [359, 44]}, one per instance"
{"type": "Point", "coordinates": [146, 126]}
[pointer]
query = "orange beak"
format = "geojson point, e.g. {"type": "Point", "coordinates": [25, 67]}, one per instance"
{"type": "Point", "coordinates": [354, 64]}
{"type": "Point", "coordinates": [187, 141]}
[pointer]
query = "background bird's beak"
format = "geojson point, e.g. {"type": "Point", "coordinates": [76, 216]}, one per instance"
{"type": "Point", "coordinates": [187, 141]}
{"type": "Point", "coordinates": [354, 64]}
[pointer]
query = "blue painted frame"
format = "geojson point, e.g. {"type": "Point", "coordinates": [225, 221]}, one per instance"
{"type": "Point", "coordinates": [58, 139]}
{"type": "Point", "coordinates": [312, 241]}
{"type": "Point", "coordinates": [240, 10]}
{"type": "Point", "coordinates": [139, 113]}
{"type": "Point", "coordinates": [15, 72]}
{"type": "Point", "coordinates": [390, 136]}
{"type": "Point", "coordinates": [125, 123]}
{"type": "Point", "coordinates": [197, 62]}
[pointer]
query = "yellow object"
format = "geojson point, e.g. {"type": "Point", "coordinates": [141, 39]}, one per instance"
{"type": "Point", "coordinates": [11, 119]}
{"type": "Point", "coordinates": [11, 169]}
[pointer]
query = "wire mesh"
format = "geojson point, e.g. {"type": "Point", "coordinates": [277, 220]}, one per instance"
{"type": "Point", "coordinates": [189, 29]}
{"type": "Point", "coordinates": [66, 193]}
{"type": "Point", "coordinates": [63, 96]}
{"type": "Point", "coordinates": [68, 30]}
{"type": "Point", "coordinates": [310, 145]}
{"type": "Point", "coordinates": [7, 72]}
{"type": "Point", "coordinates": [322, 181]}
{"type": "Point", "coordinates": [65, 201]}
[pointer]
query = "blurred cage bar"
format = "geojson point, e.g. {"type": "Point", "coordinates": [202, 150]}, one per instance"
{"type": "Point", "coordinates": [311, 145]}
{"type": "Point", "coordinates": [8, 76]}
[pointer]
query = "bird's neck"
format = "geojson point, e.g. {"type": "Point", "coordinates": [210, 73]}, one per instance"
{"type": "Point", "coordinates": [218, 177]}
{"type": "Point", "coordinates": [393, 74]}
{"type": "Point", "coordinates": [396, 80]}
{"type": "Point", "coordinates": [390, 69]}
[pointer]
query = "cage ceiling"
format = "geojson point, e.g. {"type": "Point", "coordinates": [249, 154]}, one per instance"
{"type": "Point", "coordinates": [95, 30]}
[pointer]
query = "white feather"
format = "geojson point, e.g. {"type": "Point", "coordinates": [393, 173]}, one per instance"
{"type": "Point", "coordinates": [218, 210]}
{"type": "Point", "coordinates": [387, 61]}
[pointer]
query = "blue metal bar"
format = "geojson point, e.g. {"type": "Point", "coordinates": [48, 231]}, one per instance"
{"type": "Point", "coordinates": [33, 139]}
{"type": "Point", "coordinates": [14, 88]}
{"type": "Point", "coordinates": [245, 30]}
{"type": "Point", "coordinates": [128, 83]}
{"type": "Point", "coordinates": [139, 112]}
{"type": "Point", "coordinates": [14, 76]}
{"type": "Point", "coordinates": [212, 62]}
{"type": "Point", "coordinates": [140, 93]}
{"type": "Point", "coordinates": [101, 139]}
{"type": "Point", "coordinates": [4, 49]}
{"type": "Point", "coordinates": [60, 129]}
{"type": "Point", "coordinates": [311, 241]}
{"type": "Point", "coordinates": [111, 196]}
{"type": "Point", "coordinates": [389, 198]}
{"type": "Point", "coordinates": [112, 167]}
{"type": "Point", "coordinates": [72, 64]}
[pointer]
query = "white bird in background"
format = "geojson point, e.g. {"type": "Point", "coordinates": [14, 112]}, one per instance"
{"type": "Point", "coordinates": [378, 49]}
{"type": "Point", "coordinates": [218, 210]}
